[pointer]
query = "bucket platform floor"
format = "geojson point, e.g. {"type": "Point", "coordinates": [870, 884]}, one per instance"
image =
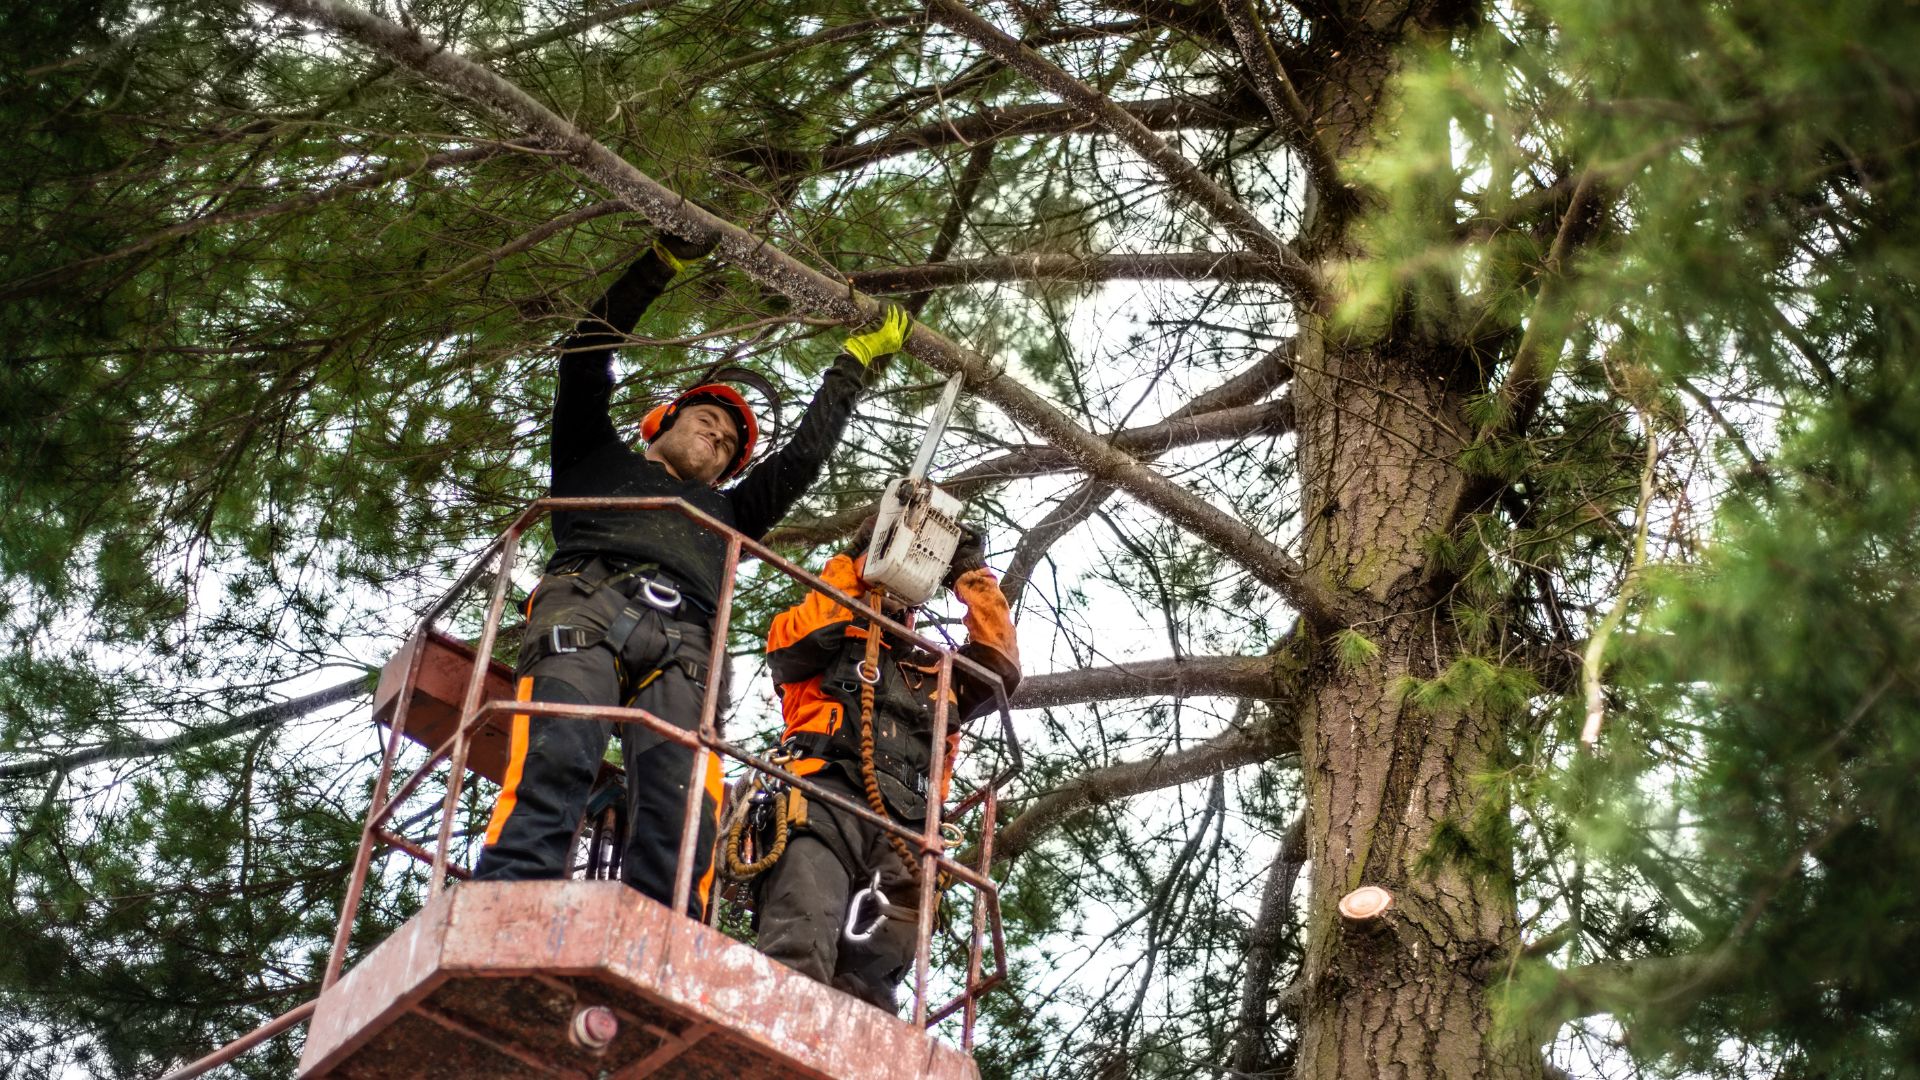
{"type": "Point", "coordinates": [486, 979]}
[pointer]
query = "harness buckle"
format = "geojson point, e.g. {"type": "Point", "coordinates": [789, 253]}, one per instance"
{"type": "Point", "coordinates": [560, 639]}
{"type": "Point", "coordinates": [861, 670]}
{"type": "Point", "coordinates": [660, 595]}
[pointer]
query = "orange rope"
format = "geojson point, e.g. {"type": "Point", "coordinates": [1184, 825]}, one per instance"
{"type": "Point", "coordinates": [740, 870]}
{"type": "Point", "coordinates": [868, 773]}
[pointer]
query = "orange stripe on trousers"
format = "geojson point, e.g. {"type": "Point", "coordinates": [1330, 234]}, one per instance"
{"type": "Point", "coordinates": [716, 788]}
{"type": "Point", "coordinates": [516, 760]}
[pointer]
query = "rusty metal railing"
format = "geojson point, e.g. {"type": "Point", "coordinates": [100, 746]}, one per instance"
{"type": "Point", "coordinates": [704, 738]}
{"type": "Point", "coordinates": [501, 556]}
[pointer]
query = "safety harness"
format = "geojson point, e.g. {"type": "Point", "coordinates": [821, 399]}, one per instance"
{"type": "Point", "coordinates": [767, 803]}
{"type": "Point", "coordinates": [786, 807]}
{"type": "Point", "coordinates": [654, 594]}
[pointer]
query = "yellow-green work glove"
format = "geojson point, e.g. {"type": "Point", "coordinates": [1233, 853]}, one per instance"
{"type": "Point", "coordinates": [681, 254]}
{"type": "Point", "coordinates": [867, 346]}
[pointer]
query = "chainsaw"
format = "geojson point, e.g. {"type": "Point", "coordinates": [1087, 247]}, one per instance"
{"type": "Point", "coordinates": [918, 526]}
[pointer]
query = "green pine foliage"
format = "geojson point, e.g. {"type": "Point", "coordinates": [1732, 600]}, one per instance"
{"type": "Point", "coordinates": [276, 319]}
{"type": "Point", "coordinates": [1725, 874]}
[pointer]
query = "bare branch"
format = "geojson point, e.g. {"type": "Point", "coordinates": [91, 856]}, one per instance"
{"type": "Point", "coordinates": [1228, 750]}
{"type": "Point", "coordinates": [964, 192]}
{"type": "Point", "coordinates": [1085, 501]}
{"type": "Point", "coordinates": [1076, 507]}
{"type": "Point", "coordinates": [1259, 378]}
{"type": "Point", "coordinates": [1277, 92]}
{"type": "Point", "coordinates": [1247, 421]}
{"type": "Point", "coordinates": [1188, 676]}
{"type": "Point", "coordinates": [1263, 949]}
{"type": "Point", "coordinates": [1264, 375]}
{"type": "Point", "coordinates": [1186, 178]}
{"type": "Point", "coordinates": [121, 749]}
{"type": "Point", "coordinates": [1168, 266]}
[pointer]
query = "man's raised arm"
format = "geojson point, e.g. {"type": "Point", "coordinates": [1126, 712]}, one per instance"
{"type": "Point", "coordinates": [581, 423]}
{"type": "Point", "coordinates": [774, 485]}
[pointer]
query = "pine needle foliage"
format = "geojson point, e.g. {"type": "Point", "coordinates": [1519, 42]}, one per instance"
{"type": "Point", "coordinates": [1628, 286]}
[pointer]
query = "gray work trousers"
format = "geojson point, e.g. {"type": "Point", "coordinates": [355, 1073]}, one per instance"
{"type": "Point", "coordinates": [801, 902]}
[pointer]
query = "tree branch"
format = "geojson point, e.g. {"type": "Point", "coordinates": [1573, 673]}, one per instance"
{"type": "Point", "coordinates": [372, 179]}
{"type": "Point", "coordinates": [1190, 676]}
{"type": "Point", "coordinates": [1247, 421]}
{"type": "Point", "coordinates": [1067, 515]}
{"type": "Point", "coordinates": [1228, 750]}
{"type": "Point", "coordinates": [1004, 122]}
{"type": "Point", "coordinates": [1277, 92]}
{"type": "Point", "coordinates": [816, 292]}
{"type": "Point", "coordinates": [121, 749]}
{"type": "Point", "coordinates": [526, 240]}
{"type": "Point", "coordinates": [1185, 177]}
{"type": "Point", "coordinates": [807, 41]}
{"type": "Point", "coordinates": [1263, 949]}
{"type": "Point", "coordinates": [1084, 501]}
{"type": "Point", "coordinates": [1528, 376]}
{"type": "Point", "coordinates": [571, 27]}
{"type": "Point", "coordinates": [1167, 266]}
{"type": "Point", "coordinates": [1622, 986]}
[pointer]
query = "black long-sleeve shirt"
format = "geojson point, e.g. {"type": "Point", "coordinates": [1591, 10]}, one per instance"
{"type": "Point", "coordinates": [590, 458]}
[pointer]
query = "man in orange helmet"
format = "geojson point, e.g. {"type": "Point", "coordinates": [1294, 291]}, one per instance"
{"type": "Point", "coordinates": [623, 615]}
{"type": "Point", "coordinates": [874, 744]}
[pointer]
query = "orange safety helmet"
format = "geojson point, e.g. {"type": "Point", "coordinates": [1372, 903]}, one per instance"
{"type": "Point", "coordinates": [661, 417]}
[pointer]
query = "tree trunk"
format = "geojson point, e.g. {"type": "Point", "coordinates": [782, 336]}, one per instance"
{"type": "Point", "coordinates": [1403, 994]}
{"type": "Point", "coordinates": [1380, 431]}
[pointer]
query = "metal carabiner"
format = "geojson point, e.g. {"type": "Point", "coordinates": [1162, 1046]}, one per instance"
{"type": "Point", "coordinates": [882, 910]}
{"type": "Point", "coordinates": [660, 595]}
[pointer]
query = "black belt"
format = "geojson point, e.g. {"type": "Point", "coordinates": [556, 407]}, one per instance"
{"type": "Point", "coordinates": [812, 744]}
{"type": "Point", "coordinates": [561, 638]}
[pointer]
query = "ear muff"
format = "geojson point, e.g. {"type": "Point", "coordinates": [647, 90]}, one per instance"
{"type": "Point", "coordinates": [661, 417]}
{"type": "Point", "coordinates": [655, 419]}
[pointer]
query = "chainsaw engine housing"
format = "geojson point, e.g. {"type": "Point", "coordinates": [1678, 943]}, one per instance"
{"type": "Point", "coordinates": [913, 540]}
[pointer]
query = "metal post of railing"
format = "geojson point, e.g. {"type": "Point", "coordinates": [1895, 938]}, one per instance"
{"type": "Point", "coordinates": [363, 858]}
{"type": "Point", "coordinates": [989, 813]}
{"type": "Point", "coordinates": [709, 733]}
{"type": "Point", "coordinates": [931, 841]}
{"type": "Point", "coordinates": [986, 893]}
{"type": "Point", "coordinates": [483, 655]}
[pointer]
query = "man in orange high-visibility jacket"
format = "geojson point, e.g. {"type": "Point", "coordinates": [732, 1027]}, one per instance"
{"type": "Point", "coordinates": [816, 652]}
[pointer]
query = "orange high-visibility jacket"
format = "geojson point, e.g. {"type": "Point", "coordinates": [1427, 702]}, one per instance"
{"type": "Point", "coordinates": [811, 641]}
